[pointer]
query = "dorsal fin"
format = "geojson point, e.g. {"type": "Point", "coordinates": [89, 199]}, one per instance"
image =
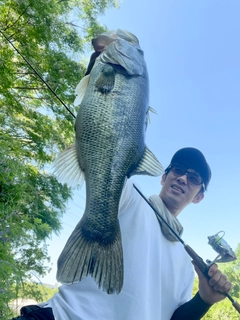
{"type": "Point", "coordinates": [148, 165]}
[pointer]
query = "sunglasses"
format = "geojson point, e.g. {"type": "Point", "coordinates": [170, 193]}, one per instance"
{"type": "Point", "coordinates": [193, 177]}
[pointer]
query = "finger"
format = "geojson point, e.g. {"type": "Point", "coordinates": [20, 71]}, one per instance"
{"type": "Point", "coordinates": [219, 281]}
{"type": "Point", "coordinates": [223, 285]}
{"type": "Point", "coordinates": [213, 269]}
{"type": "Point", "coordinates": [215, 278]}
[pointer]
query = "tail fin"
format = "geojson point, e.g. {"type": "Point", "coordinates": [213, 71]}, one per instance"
{"type": "Point", "coordinates": [81, 257]}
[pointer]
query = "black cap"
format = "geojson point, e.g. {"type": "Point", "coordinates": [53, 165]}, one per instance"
{"type": "Point", "coordinates": [192, 158]}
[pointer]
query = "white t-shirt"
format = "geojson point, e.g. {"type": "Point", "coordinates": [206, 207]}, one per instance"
{"type": "Point", "coordinates": [158, 274]}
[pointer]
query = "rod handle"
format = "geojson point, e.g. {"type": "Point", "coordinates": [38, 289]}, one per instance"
{"type": "Point", "coordinates": [235, 304]}
{"type": "Point", "coordinates": [198, 260]}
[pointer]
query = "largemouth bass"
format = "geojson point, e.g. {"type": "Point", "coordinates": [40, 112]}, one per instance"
{"type": "Point", "coordinates": [109, 148]}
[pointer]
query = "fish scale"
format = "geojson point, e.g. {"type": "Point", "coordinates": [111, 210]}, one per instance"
{"type": "Point", "coordinates": [109, 148]}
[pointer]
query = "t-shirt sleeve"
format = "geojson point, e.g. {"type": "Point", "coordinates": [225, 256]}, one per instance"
{"type": "Point", "coordinates": [194, 309]}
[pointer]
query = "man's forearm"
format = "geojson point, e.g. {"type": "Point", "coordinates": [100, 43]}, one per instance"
{"type": "Point", "coordinates": [194, 309]}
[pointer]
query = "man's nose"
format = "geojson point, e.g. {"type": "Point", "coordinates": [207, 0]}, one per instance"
{"type": "Point", "coordinates": [183, 178]}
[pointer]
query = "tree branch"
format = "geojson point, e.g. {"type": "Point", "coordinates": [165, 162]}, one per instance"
{"type": "Point", "coordinates": [11, 25]}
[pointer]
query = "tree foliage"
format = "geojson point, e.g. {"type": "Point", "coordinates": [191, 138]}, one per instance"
{"type": "Point", "coordinates": [34, 125]}
{"type": "Point", "coordinates": [224, 309]}
{"type": "Point", "coordinates": [31, 291]}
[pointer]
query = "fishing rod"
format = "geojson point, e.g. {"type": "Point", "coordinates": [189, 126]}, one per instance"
{"type": "Point", "coordinates": [218, 244]}
{"type": "Point", "coordinates": [37, 73]}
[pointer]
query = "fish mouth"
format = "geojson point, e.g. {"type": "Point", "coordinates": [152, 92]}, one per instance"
{"type": "Point", "coordinates": [177, 188]}
{"type": "Point", "coordinates": [104, 39]}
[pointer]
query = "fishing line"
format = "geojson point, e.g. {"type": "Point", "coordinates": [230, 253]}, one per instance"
{"type": "Point", "coordinates": [198, 227]}
{"type": "Point", "coordinates": [37, 73]}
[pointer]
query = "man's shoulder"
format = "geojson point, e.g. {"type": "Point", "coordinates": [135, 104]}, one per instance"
{"type": "Point", "coordinates": [129, 196]}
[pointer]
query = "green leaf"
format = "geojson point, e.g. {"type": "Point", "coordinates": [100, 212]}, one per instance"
{"type": "Point", "coordinates": [35, 126]}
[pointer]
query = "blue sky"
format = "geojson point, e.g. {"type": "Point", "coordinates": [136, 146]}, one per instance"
{"type": "Point", "coordinates": [192, 50]}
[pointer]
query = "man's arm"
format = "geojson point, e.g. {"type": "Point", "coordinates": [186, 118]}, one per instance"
{"type": "Point", "coordinates": [194, 309]}
{"type": "Point", "coordinates": [210, 292]}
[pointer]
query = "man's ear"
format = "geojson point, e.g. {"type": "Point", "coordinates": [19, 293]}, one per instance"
{"type": "Point", "coordinates": [163, 179]}
{"type": "Point", "coordinates": [198, 197]}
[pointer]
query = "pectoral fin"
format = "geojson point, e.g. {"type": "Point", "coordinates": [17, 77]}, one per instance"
{"type": "Point", "coordinates": [149, 165]}
{"type": "Point", "coordinates": [105, 82]}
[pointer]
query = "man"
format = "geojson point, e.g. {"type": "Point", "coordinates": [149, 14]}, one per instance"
{"type": "Point", "coordinates": [158, 273]}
